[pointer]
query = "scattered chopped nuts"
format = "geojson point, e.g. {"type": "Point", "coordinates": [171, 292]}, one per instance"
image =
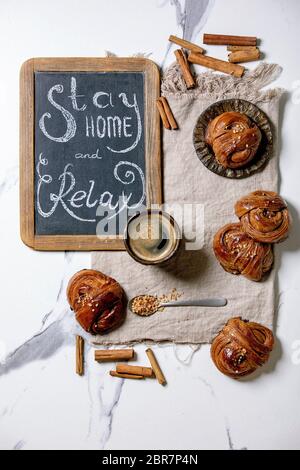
{"type": "Point", "coordinates": [84, 298]}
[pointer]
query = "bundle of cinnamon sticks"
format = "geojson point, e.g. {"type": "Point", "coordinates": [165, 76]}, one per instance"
{"type": "Point", "coordinates": [126, 371]}
{"type": "Point", "coordinates": [123, 371]}
{"type": "Point", "coordinates": [166, 114]}
{"type": "Point", "coordinates": [241, 48]}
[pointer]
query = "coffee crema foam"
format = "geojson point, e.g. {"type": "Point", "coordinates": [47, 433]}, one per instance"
{"type": "Point", "coordinates": [152, 237]}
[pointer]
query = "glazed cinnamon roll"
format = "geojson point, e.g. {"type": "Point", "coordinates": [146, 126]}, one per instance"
{"type": "Point", "coordinates": [240, 254]}
{"type": "Point", "coordinates": [264, 216]}
{"type": "Point", "coordinates": [234, 139]}
{"type": "Point", "coordinates": [241, 347]}
{"type": "Point", "coordinates": [97, 300]}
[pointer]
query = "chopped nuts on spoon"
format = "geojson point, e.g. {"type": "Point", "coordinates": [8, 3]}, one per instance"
{"type": "Point", "coordinates": [146, 305]}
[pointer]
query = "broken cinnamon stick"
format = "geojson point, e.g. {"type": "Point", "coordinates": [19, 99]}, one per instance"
{"type": "Point", "coordinates": [107, 355]}
{"type": "Point", "coordinates": [155, 366]}
{"type": "Point", "coordinates": [169, 113]}
{"type": "Point", "coordinates": [79, 355]}
{"type": "Point", "coordinates": [186, 44]}
{"type": "Point", "coordinates": [216, 64]}
{"type": "Point", "coordinates": [135, 370]}
{"type": "Point", "coordinates": [243, 56]}
{"type": "Point", "coordinates": [113, 373]}
{"type": "Point", "coordinates": [241, 48]}
{"type": "Point", "coordinates": [185, 69]}
{"type": "Point", "coordinates": [227, 40]}
{"type": "Point", "coordinates": [163, 114]}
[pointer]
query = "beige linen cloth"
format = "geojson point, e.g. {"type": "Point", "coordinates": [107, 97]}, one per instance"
{"type": "Point", "coordinates": [197, 273]}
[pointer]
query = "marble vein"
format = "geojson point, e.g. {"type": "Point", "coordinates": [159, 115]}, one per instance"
{"type": "Point", "coordinates": [195, 17]}
{"type": "Point", "coordinates": [180, 12]}
{"type": "Point", "coordinates": [42, 345]}
{"type": "Point", "coordinates": [230, 443]}
{"type": "Point", "coordinates": [191, 17]}
{"type": "Point", "coordinates": [52, 335]}
{"type": "Point", "coordinates": [186, 361]}
{"type": "Point", "coordinates": [225, 419]}
{"type": "Point", "coordinates": [57, 330]}
{"type": "Point", "coordinates": [107, 411]}
{"type": "Point", "coordinates": [19, 445]}
{"type": "Point", "coordinates": [104, 395]}
{"type": "Point", "coordinates": [9, 180]}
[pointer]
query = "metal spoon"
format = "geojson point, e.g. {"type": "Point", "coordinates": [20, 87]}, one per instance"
{"type": "Point", "coordinates": [186, 303]}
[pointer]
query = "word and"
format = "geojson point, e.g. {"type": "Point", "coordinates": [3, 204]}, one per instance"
{"type": "Point", "coordinates": [91, 156]}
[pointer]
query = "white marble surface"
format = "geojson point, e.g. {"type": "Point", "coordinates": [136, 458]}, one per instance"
{"type": "Point", "coordinates": [43, 404]}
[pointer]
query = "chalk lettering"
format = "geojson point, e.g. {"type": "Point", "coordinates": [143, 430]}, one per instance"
{"type": "Point", "coordinates": [70, 121]}
{"type": "Point", "coordinates": [100, 133]}
{"type": "Point", "coordinates": [127, 134]}
{"type": "Point", "coordinates": [78, 196]}
{"type": "Point", "coordinates": [89, 126]}
{"type": "Point", "coordinates": [74, 96]}
{"type": "Point", "coordinates": [125, 172]}
{"type": "Point", "coordinates": [134, 105]}
{"type": "Point", "coordinates": [91, 156]}
{"type": "Point", "coordinates": [100, 94]}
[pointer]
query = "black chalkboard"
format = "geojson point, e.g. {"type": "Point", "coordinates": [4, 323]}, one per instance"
{"type": "Point", "coordinates": [90, 149]}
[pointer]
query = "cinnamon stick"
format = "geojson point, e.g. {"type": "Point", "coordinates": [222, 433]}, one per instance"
{"type": "Point", "coordinates": [113, 373]}
{"type": "Point", "coordinates": [113, 355]}
{"type": "Point", "coordinates": [186, 44]}
{"type": "Point", "coordinates": [79, 355]}
{"type": "Point", "coordinates": [169, 113]}
{"type": "Point", "coordinates": [163, 114]}
{"type": "Point", "coordinates": [228, 40]}
{"type": "Point", "coordinates": [216, 64]}
{"type": "Point", "coordinates": [155, 366]}
{"type": "Point", "coordinates": [241, 48]}
{"type": "Point", "coordinates": [134, 370]}
{"type": "Point", "coordinates": [243, 56]}
{"type": "Point", "coordinates": [185, 69]}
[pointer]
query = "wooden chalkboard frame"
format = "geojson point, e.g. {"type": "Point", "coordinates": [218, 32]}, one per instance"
{"type": "Point", "coordinates": [27, 125]}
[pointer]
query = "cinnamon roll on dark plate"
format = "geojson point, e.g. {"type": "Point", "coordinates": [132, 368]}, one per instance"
{"type": "Point", "coordinates": [233, 138]}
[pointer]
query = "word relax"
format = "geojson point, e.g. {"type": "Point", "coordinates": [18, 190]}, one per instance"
{"type": "Point", "coordinates": [72, 200]}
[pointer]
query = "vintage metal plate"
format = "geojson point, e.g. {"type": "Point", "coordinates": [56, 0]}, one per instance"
{"type": "Point", "coordinates": [205, 153]}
